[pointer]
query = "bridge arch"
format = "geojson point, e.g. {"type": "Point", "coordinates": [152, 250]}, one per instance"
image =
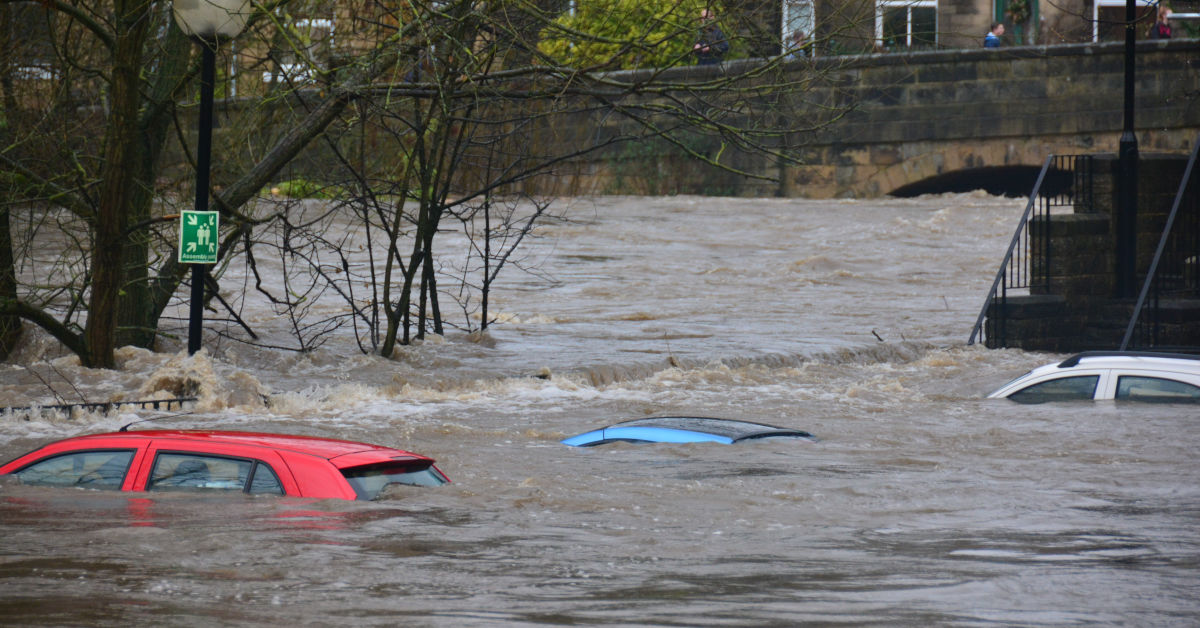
{"type": "Point", "coordinates": [995, 117]}
{"type": "Point", "coordinates": [1011, 181]}
{"type": "Point", "coordinates": [999, 165]}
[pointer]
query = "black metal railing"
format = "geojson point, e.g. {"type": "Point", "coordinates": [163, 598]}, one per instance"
{"type": "Point", "coordinates": [1064, 181]}
{"type": "Point", "coordinates": [105, 406]}
{"type": "Point", "coordinates": [1174, 271]}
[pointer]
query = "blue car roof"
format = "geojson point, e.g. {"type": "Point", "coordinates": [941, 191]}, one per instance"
{"type": "Point", "coordinates": [677, 429]}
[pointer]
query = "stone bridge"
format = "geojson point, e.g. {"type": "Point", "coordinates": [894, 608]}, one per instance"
{"type": "Point", "coordinates": [951, 120]}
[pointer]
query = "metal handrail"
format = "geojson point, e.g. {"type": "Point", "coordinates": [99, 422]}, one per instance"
{"type": "Point", "coordinates": [1162, 245]}
{"type": "Point", "coordinates": [1002, 273]}
{"type": "Point", "coordinates": [1077, 171]}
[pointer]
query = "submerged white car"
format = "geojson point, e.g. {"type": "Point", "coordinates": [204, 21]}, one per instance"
{"type": "Point", "coordinates": [1120, 375]}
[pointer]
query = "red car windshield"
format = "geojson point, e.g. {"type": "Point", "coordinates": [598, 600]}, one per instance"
{"type": "Point", "coordinates": [370, 480]}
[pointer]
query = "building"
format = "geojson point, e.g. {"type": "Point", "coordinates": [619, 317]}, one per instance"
{"type": "Point", "coordinates": [319, 31]}
{"type": "Point", "coordinates": [843, 26]}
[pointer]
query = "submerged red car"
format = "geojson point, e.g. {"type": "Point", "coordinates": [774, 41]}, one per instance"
{"type": "Point", "coordinates": [206, 460]}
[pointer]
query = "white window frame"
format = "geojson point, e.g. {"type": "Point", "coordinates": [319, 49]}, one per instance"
{"type": "Point", "coordinates": [809, 26]}
{"type": "Point", "coordinates": [295, 72]}
{"type": "Point", "coordinates": [233, 69]}
{"type": "Point", "coordinates": [1120, 4]}
{"type": "Point", "coordinates": [881, 5]}
{"type": "Point", "coordinates": [35, 73]}
{"type": "Point", "coordinates": [315, 23]}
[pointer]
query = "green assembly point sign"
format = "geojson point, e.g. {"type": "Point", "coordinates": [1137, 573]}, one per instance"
{"type": "Point", "coordinates": [197, 237]}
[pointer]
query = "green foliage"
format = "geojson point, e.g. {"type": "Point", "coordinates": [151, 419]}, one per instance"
{"type": "Point", "coordinates": [628, 34]}
{"type": "Point", "coordinates": [303, 188]}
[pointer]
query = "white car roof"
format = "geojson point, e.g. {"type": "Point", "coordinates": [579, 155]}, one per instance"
{"type": "Point", "coordinates": [1096, 361]}
{"type": "Point", "coordinates": [1132, 359]}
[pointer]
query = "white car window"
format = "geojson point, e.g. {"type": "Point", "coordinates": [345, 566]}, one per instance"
{"type": "Point", "coordinates": [1139, 388]}
{"type": "Point", "coordinates": [1059, 389]}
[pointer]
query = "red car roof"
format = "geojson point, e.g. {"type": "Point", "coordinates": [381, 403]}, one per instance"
{"type": "Point", "coordinates": [327, 448]}
{"type": "Point", "coordinates": [306, 466]}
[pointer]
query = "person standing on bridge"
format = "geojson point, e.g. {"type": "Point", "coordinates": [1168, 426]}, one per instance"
{"type": "Point", "coordinates": [800, 46]}
{"type": "Point", "coordinates": [711, 44]}
{"type": "Point", "coordinates": [1161, 29]}
{"type": "Point", "coordinates": [992, 40]}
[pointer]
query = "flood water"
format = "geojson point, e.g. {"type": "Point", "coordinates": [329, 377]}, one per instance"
{"type": "Point", "coordinates": [921, 503]}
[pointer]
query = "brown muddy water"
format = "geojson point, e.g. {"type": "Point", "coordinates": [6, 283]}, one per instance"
{"type": "Point", "coordinates": [921, 504]}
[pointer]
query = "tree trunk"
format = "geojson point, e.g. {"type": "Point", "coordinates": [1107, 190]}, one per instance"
{"type": "Point", "coordinates": [10, 324]}
{"type": "Point", "coordinates": [117, 181]}
{"type": "Point", "coordinates": [137, 318]}
{"type": "Point", "coordinates": [430, 281]}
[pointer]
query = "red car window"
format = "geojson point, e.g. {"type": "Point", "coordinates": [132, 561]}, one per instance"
{"type": "Point", "coordinates": [263, 480]}
{"type": "Point", "coordinates": [193, 471]}
{"type": "Point", "coordinates": [227, 467]}
{"type": "Point", "coordinates": [89, 469]}
{"type": "Point", "coordinates": [369, 481]}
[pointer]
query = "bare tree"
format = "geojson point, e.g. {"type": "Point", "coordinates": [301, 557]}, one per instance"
{"type": "Point", "coordinates": [426, 117]}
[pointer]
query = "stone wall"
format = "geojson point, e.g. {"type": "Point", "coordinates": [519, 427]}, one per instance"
{"type": "Point", "coordinates": [910, 118]}
{"type": "Point", "coordinates": [922, 115]}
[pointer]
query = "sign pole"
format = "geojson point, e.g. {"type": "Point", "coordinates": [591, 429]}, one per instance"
{"type": "Point", "coordinates": [1127, 162]}
{"type": "Point", "coordinates": [203, 157]}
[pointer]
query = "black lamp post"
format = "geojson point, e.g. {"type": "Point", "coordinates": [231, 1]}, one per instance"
{"type": "Point", "coordinates": [1127, 161]}
{"type": "Point", "coordinates": [208, 22]}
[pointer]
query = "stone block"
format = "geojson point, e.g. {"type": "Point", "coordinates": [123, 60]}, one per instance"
{"type": "Point", "coordinates": [1029, 307]}
{"type": "Point", "coordinates": [947, 73]}
{"type": "Point", "coordinates": [814, 175]}
{"type": "Point", "coordinates": [1069, 226]}
{"type": "Point", "coordinates": [888, 75]}
{"type": "Point", "coordinates": [993, 69]}
{"type": "Point", "coordinates": [884, 96]}
{"type": "Point", "coordinates": [884, 156]}
{"type": "Point", "coordinates": [1077, 261]}
{"type": "Point", "coordinates": [925, 94]}
{"type": "Point", "coordinates": [1030, 68]}
{"type": "Point", "coordinates": [1090, 285]}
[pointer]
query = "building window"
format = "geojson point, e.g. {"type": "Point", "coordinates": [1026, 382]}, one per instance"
{"type": "Point", "coordinates": [29, 41]}
{"type": "Point", "coordinates": [906, 23]}
{"type": "Point", "coordinates": [798, 17]}
{"type": "Point", "coordinates": [307, 51]}
{"type": "Point", "coordinates": [1108, 19]}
